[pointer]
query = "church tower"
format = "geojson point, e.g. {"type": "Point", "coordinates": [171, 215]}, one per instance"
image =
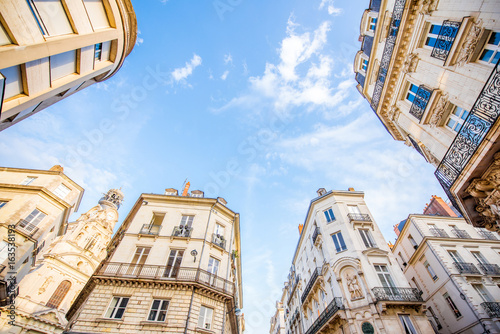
{"type": "Point", "coordinates": [48, 291]}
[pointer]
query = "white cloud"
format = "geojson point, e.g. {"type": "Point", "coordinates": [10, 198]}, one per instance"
{"type": "Point", "coordinates": [224, 75]}
{"type": "Point", "coordinates": [332, 10]}
{"type": "Point", "coordinates": [139, 39]}
{"type": "Point", "coordinates": [228, 59]}
{"type": "Point", "coordinates": [182, 73]}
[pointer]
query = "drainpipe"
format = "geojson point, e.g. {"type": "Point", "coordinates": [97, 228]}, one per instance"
{"type": "Point", "coordinates": [189, 312]}
{"type": "Point", "coordinates": [452, 279]}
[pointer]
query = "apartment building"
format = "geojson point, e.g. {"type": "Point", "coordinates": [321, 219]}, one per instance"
{"type": "Point", "coordinates": [429, 70]}
{"type": "Point", "coordinates": [344, 278]}
{"type": "Point", "coordinates": [278, 319]}
{"type": "Point", "coordinates": [455, 265]}
{"type": "Point", "coordinates": [52, 49]}
{"type": "Point", "coordinates": [173, 266]}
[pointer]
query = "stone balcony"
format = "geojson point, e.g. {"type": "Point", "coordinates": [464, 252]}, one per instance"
{"type": "Point", "coordinates": [490, 269]}
{"type": "Point", "coordinates": [467, 268]}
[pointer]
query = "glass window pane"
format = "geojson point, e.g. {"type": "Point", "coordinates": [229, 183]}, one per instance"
{"type": "Point", "coordinates": [62, 64]}
{"type": "Point", "coordinates": [13, 81]}
{"type": "Point", "coordinates": [486, 55]}
{"type": "Point", "coordinates": [435, 28]}
{"type": "Point", "coordinates": [494, 38]}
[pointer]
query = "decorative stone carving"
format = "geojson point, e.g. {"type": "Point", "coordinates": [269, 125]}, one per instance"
{"type": "Point", "coordinates": [45, 285]}
{"type": "Point", "coordinates": [428, 6]}
{"type": "Point", "coordinates": [393, 113]}
{"type": "Point", "coordinates": [438, 110]}
{"type": "Point", "coordinates": [429, 156]}
{"type": "Point", "coordinates": [410, 64]}
{"type": "Point", "coordinates": [353, 286]}
{"type": "Point", "coordinates": [470, 43]}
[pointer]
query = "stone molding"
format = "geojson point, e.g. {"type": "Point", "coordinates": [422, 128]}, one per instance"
{"type": "Point", "coordinates": [470, 43]}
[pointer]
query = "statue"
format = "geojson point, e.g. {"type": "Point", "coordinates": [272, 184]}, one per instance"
{"type": "Point", "coordinates": [353, 286]}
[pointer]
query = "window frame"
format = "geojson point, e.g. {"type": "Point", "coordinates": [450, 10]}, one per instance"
{"type": "Point", "coordinates": [115, 309]}
{"type": "Point", "coordinates": [454, 309]}
{"type": "Point", "coordinates": [458, 120]}
{"type": "Point", "coordinates": [385, 274]}
{"type": "Point", "coordinates": [62, 191]}
{"type": "Point", "coordinates": [42, 24]}
{"type": "Point", "coordinates": [431, 271]}
{"type": "Point", "coordinates": [3, 203]}
{"type": "Point", "coordinates": [329, 215]}
{"type": "Point", "coordinates": [159, 311]}
{"type": "Point", "coordinates": [340, 244]}
{"type": "Point", "coordinates": [405, 320]}
{"type": "Point", "coordinates": [28, 180]}
{"type": "Point", "coordinates": [59, 294]}
{"type": "Point", "coordinates": [496, 49]}
{"type": "Point", "coordinates": [203, 320]}
{"type": "Point", "coordinates": [367, 238]}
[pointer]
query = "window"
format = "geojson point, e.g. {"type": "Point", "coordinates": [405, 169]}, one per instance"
{"type": "Point", "coordinates": [412, 92]}
{"type": "Point", "coordinates": [338, 240]}
{"type": "Point", "coordinates": [140, 256]}
{"type": "Point", "coordinates": [483, 293]}
{"type": "Point", "coordinates": [4, 251]}
{"type": "Point", "coordinates": [491, 50]}
{"type": "Point", "coordinates": [415, 283]}
{"type": "Point", "coordinates": [384, 276]}
{"type": "Point", "coordinates": [413, 242]}
{"type": "Point", "coordinates": [28, 180]}
{"type": "Point", "coordinates": [372, 23]}
{"type": "Point", "coordinates": [101, 52]}
{"type": "Point", "coordinates": [2, 204]}
{"type": "Point", "coordinates": [219, 230]}
{"type": "Point", "coordinates": [62, 191]}
{"type": "Point", "coordinates": [213, 266]}
{"type": "Point", "coordinates": [367, 238]}
{"type": "Point", "coordinates": [173, 263]}
{"type": "Point", "coordinates": [205, 318]}
{"type": "Point", "coordinates": [155, 224]}
{"type": "Point", "coordinates": [430, 270]}
{"type": "Point", "coordinates": [353, 209]}
{"type": "Point", "coordinates": [452, 305]}
{"type": "Point", "coordinates": [158, 310]}
{"type": "Point", "coordinates": [436, 320]}
{"type": "Point", "coordinates": [62, 64]}
{"type": "Point", "coordinates": [329, 215]}
{"type": "Point", "coordinates": [59, 294]}
{"type": "Point", "coordinates": [364, 65]}
{"type": "Point", "coordinates": [456, 119]}
{"type": "Point", "coordinates": [97, 14]}
{"type": "Point", "coordinates": [51, 17]}
{"type": "Point", "coordinates": [432, 35]}
{"type": "Point", "coordinates": [455, 256]}
{"type": "Point", "coordinates": [187, 221]}
{"type": "Point", "coordinates": [30, 223]}
{"type": "Point", "coordinates": [407, 324]}
{"type": "Point", "coordinates": [480, 258]}
{"type": "Point", "coordinates": [117, 307]}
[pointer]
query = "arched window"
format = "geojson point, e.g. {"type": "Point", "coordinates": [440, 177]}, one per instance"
{"type": "Point", "coordinates": [59, 294]}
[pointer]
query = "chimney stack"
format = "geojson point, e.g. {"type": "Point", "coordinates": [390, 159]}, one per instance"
{"type": "Point", "coordinates": [186, 189]}
{"type": "Point", "coordinates": [301, 226]}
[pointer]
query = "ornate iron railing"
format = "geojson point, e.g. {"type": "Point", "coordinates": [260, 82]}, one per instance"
{"type": "Point", "coordinates": [164, 273]}
{"type": "Point", "coordinates": [439, 232]}
{"type": "Point", "coordinates": [150, 229]}
{"type": "Point", "coordinates": [315, 235]}
{"type": "Point", "coordinates": [445, 39]}
{"type": "Point", "coordinates": [466, 268]}
{"type": "Point", "coordinates": [358, 217]}
{"type": "Point", "coordinates": [420, 102]}
{"type": "Point", "coordinates": [397, 15]}
{"type": "Point", "coordinates": [492, 308]}
{"type": "Point", "coordinates": [326, 315]}
{"type": "Point", "coordinates": [310, 284]}
{"type": "Point", "coordinates": [462, 234]}
{"type": "Point", "coordinates": [219, 240]}
{"type": "Point", "coordinates": [397, 294]}
{"type": "Point", "coordinates": [26, 227]}
{"type": "Point", "coordinates": [481, 118]}
{"type": "Point", "coordinates": [182, 231]}
{"type": "Point", "coordinates": [292, 290]}
{"type": "Point", "coordinates": [487, 235]}
{"type": "Point", "coordinates": [490, 269]}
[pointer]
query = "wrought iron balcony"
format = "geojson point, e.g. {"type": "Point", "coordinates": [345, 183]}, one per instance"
{"type": "Point", "coordinates": [26, 227]}
{"type": "Point", "coordinates": [466, 268]}
{"type": "Point", "coordinates": [397, 294]}
{"type": "Point", "coordinates": [315, 235]}
{"type": "Point", "coordinates": [439, 232]}
{"type": "Point", "coordinates": [461, 234]}
{"type": "Point", "coordinates": [294, 286]}
{"type": "Point", "coordinates": [487, 235]}
{"type": "Point", "coordinates": [310, 284]}
{"type": "Point", "coordinates": [182, 231]}
{"type": "Point", "coordinates": [150, 229]}
{"type": "Point", "coordinates": [165, 273]}
{"type": "Point", "coordinates": [490, 269]}
{"type": "Point", "coordinates": [360, 217]}
{"type": "Point", "coordinates": [420, 102]}
{"type": "Point", "coordinates": [326, 315]}
{"type": "Point", "coordinates": [219, 240]}
{"type": "Point", "coordinates": [445, 39]}
{"type": "Point", "coordinates": [492, 308]}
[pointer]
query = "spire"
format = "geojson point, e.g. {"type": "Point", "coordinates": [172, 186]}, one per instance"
{"type": "Point", "coordinates": [113, 198]}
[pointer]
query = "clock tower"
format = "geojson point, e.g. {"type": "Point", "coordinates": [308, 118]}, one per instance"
{"type": "Point", "coordinates": [61, 271]}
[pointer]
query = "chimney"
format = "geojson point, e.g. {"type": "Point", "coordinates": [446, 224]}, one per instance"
{"type": "Point", "coordinates": [57, 168]}
{"type": "Point", "coordinates": [301, 226]}
{"type": "Point", "coordinates": [171, 192]}
{"type": "Point", "coordinates": [186, 189]}
{"type": "Point", "coordinates": [321, 191]}
{"type": "Point", "coordinates": [351, 189]}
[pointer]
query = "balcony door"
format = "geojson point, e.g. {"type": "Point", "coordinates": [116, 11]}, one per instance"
{"type": "Point", "coordinates": [456, 257]}
{"type": "Point", "coordinates": [387, 281]}
{"type": "Point", "coordinates": [213, 269]}
{"type": "Point", "coordinates": [140, 256]}
{"type": "Point", "coordinates": [186, 225]}
{"type": "Point", "coordinates": [480, 258]}
{"type": "Point", "coordinates": [173, 263]}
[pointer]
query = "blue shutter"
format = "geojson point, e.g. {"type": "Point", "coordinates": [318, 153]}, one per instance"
{"type": "Point", "coordinates": [335, 241]}
{"type": "Point", "coordinates": [342, 243]}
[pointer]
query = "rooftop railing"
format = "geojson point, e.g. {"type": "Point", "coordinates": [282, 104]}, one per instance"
{"type": "Point", "coordinates": [439, 232]}
{"type": "Point", "coordinates": [310, 284]}
{"type": "Point", "coordinates": [466, 268]}
{"type": "Point", "coordinates": [150, 229]}
{"type": "Point", "coordinates": [490, 269]}
{"type": "Point", "coordinates": [326, 315]}
{"type": "Point", "coordinates": [166, 273]}
{"type": "Point", "coordinates": [492, 308]}
{"type": "Point", "coordinates": [360, 217]}
{"type": "Point", "coordinates": [397, 294]}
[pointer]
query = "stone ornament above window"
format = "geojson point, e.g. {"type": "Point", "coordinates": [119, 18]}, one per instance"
{"type": "Point", "coordinates": [428, 6]}
{"type": "Point", "coordinates": [438, 110]}
{"type": "Point", "coordinates": [470, 43]}
{"type": "Point", "coordinates": [410, 64]}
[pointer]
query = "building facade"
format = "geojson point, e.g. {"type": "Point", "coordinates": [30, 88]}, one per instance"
{"type": "Point", "coordinates": [344, 278]}
{"type": "Point", "coordinates": [278, 325]}
{"type": "Point", "coordinates": [47, 292]}
{"type": "Point", "coordinates": [34, 208]}
{"type": "Point", "coordinates": [455, 265]}
{"type": "Point", "coordinates": [52, 49]}
{"type": "Point", "coordinates": [174, 266]}
{"type": "Point", "coordinates": [429, 70]}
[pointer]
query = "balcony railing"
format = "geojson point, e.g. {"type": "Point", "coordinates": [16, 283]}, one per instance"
{"type": "Point", "coordinates": [182, 231]}
{"type": "Point", "coordinates": [294, 286]}
{"type": "Point", "coordinates": [165, 273]}
{"type": "Point", "coordinates": [219, 240]}
{"type": "Point", "coordinates": [466, 268]}
{"type": "Point", "coordinates": [445, 39]}
{"type": "Point", "coordinates": [310, 284]}
{"type": "Point", "coordinates": [461, 234]}
{"type": "Point", "coordinates": [492, 308]}
{"type": "Point", "coordinates": [439, 232]}
{"type": "Point", "coordinates": [360, 217]}
{"type": "Point", "coordinates": [487, 235]}
{"type": "Point", "coordinates": [26, 227]}
{"type": "Point", "coordinates": [150, 229]}
{"type": "Point", "coordinates": [326, 315]}
{"type": "Point", "coordinates": [420, 102]}
{"type": "Point", "coordinates": [490, 269]}
{"type": "Point", "coordinates": [397, 294]}
{"type": "Point", "coordinates": [481, 118]}
{"type": "Point", "coordinates": [315, 235]}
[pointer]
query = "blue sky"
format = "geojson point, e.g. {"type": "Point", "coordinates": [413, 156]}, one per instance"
{"type": "Point", "coordinates": [254, 101]}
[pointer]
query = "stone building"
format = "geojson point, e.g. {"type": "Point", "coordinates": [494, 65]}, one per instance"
{"type": "Point", "coordinates": [344, 278]}
{"type": "Point", "coordinates": [455, 265]}
{"type": "Point", "coordinates": [47, 292]}
{"type": "Point", "coordinates": [429, 70]}
{"type": "Point", "coordinates": [34, 208]}
{"type": "Point", "coordinates": [278, 319]}
{"type": "Point", "coordinates": [51, 49]}
{"type": "Point", "coordinates": [174, 266]}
